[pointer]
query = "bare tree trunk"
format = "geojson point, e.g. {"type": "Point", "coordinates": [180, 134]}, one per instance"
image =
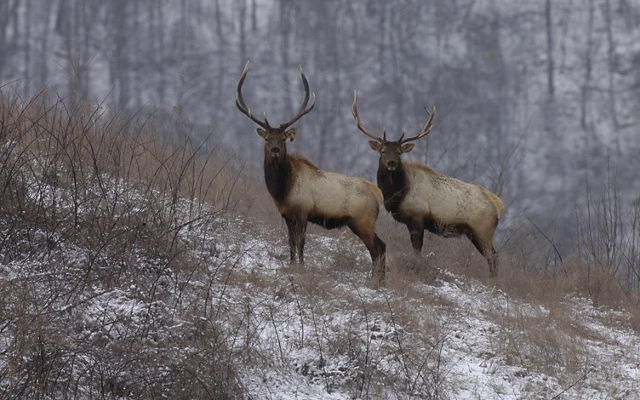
{"type": "Point", "coordinates": [383, 35]}
{"type": "Point", "coordinates": [242, 19]}
{"type": "Point", "coordinates": [27, 47]}
{"type": "Point", "coordinates": [160, 54]}
{"type": "Point", "coordinates": [330, 59]}
{"type": "Point", "coordinates": [182, 55]}
{"type": "Point", "coordinates": [87, 15]}
{"type": "Point", "coordinates": [611, 64]}
{"type": "Point", "coordinates": [221, 54]}
{"type": "Point", "coordinates": [399, 94]}
{"type": "Point", "coordinates": [9, 29]}
{"type": "Point", "coordinates": [137, 52]}
{"type": "Point", "coordinates": [43, 72]}
{"type": "Point", "coordinates": [118, 68]}
{"type": "Point", "coordinates": [588, 69]}
{"type": "Point", "coordinates": [285, 32]}
{"type": "Point", "coordinates": [550, 66]}
{"type": "Point", "coordinates": [254, 18]}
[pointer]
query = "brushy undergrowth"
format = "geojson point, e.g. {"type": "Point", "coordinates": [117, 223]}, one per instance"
{"type": "Point", "coordinates": [102, 226]}
{"type": "Point", "coordinates": [126, 272]}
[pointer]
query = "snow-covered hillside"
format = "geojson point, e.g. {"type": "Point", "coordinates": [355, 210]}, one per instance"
{"type": "Point", "coordinates": [320, 332]}
{"type": "Point", "coordinates": [129, 270]}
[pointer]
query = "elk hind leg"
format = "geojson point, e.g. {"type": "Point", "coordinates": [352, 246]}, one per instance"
{"type": "Point", "coordinates": [377, 250]}
{"type": "Point", "coordinates": [492, 259]}
{"type": "Point", "coordinates": [487, 251]}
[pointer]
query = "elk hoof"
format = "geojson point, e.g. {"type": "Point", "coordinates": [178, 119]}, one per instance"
{"type": "Point", "coordinates": [377, 282]}
{"type": "Point", "coordinates": [296, 264]}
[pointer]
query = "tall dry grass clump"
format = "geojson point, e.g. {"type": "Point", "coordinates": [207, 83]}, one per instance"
{"type": "Point", "coordinates": [106, 221]}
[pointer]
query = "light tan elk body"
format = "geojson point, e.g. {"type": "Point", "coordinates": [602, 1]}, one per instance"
{"type": "Point", "coordinates": [422, 198]}
{"type": "Point", "coordinates": [302, 192]}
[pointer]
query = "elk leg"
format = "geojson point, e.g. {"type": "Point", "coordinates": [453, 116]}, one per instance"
{"type": "Point", "coordinates": [378, 258]}
{"type": "Point", "coordinates": [377, 250]}
{"type": "Point", "coordinates": [416, 230]}
{"type": "Point", "coordinates": [492, 259]}
{"type": "Point", "coordinates": [291, 227]}
{"type": "Point", "coordinates": [302, 233]}
{"type": "Point", "coordinates": [297, 228]}
{"type": "Point", "coordinates": [489, 253]}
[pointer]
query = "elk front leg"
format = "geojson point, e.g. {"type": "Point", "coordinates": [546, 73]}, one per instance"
{"type": "Point", "coordinates": [302, 234]}
{"type": "Point", "coordinates": [416, 230]}
{"type": "Point", "coordinates": [291, 227]}
{"type": "Point", "coordinates": [297, 228]}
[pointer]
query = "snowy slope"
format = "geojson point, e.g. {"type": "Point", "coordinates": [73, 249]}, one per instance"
{"type": "Point", "coordinates": [311, 328]}
{"type": "Point", "coordinates": [316, 332]}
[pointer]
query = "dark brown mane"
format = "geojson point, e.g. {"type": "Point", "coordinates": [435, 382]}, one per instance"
{"type": "Point", "coordinates": [394, 188]}
{"type": "Point", "coordinates": [279, 178]}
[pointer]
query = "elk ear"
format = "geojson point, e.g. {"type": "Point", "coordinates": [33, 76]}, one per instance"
{"type": "Point", "coordinates": [407, 147]}
{"type": "Point", "coordinates": [376, 146]}
{"type": "Point", "coordinates": [291, 134]}
{"type": "Point", "coordinates": [262, 133]}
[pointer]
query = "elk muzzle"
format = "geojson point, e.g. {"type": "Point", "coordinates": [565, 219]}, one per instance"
{"type": "Point", "coordinates": [392, 165]}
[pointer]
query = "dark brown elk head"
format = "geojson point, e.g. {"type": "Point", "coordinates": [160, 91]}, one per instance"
{"type": "Point", "coordinates": [275, 137]}
{"type": "Point", "coordinates": [390, 151]}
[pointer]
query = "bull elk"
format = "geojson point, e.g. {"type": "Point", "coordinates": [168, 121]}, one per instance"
{"type": "Point", "coordinates": [302, 192]}
{"type": "Point", "coordinates": [422, 198]}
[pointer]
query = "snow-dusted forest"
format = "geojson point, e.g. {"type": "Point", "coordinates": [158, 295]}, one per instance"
{"type": "Point", "coordinates": [134, 220]}
{"type": "Point", "coordinates": [537, 100]}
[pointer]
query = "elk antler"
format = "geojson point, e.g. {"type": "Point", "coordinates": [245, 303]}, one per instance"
{"type": "Point", "coordinates": [303, 108]}
{"type": "Point", "coordinates": [354, 111]}
{"type": "Point", "coordinates": [242, 106]}
{"type": "Point", "coordinates": [425, 130]}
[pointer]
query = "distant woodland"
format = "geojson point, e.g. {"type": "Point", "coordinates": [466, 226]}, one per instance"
{"type": "Point", "coordinates": [538, 101]}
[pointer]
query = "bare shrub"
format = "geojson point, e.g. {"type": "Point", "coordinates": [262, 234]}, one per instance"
{"type": "Point", "coordinates": [103, 231]}
{"type": "Point", "coordinates": [546, 342]}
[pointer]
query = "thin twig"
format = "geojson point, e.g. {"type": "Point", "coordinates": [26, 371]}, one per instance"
{"type": "Point", "coordinates": [570, 386]}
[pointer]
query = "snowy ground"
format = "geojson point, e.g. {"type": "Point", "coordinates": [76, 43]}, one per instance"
{"type": "Point", "coordinates": [322, 333]}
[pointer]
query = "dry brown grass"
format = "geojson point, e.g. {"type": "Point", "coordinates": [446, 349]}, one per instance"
{"type": "Point", "coordinates": [523, 274]}
{"type": "Point", "coordinates": [530, 273]}
{"type": "Point", "coordinates": [539, 344]}
{"type": "Point", "coordinates": [96, 212]}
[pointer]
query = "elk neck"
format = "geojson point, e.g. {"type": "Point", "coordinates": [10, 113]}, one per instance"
{"type": "Point", "coordinates": [278, 175]}
{"type": "Point", "coordinates": [393, 185]}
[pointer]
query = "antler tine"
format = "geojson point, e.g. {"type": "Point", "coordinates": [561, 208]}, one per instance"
{"type": "Point", "coordinates": [264, 116]}
{"type": "Point", "coordinates": [354, 112]}
{"type": "Point", "coordinates": [242, 106]}
{"type": "Point", "coordinates": [425, 130]}
{"type": "Point", "coordinates": [303, 108]}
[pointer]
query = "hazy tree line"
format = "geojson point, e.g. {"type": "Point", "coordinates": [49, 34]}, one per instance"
{"type": "Point", "coordinates": [538, 100]}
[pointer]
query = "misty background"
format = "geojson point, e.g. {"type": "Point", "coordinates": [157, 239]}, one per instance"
{"type": "Point", "coordinates": [538, 100]}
